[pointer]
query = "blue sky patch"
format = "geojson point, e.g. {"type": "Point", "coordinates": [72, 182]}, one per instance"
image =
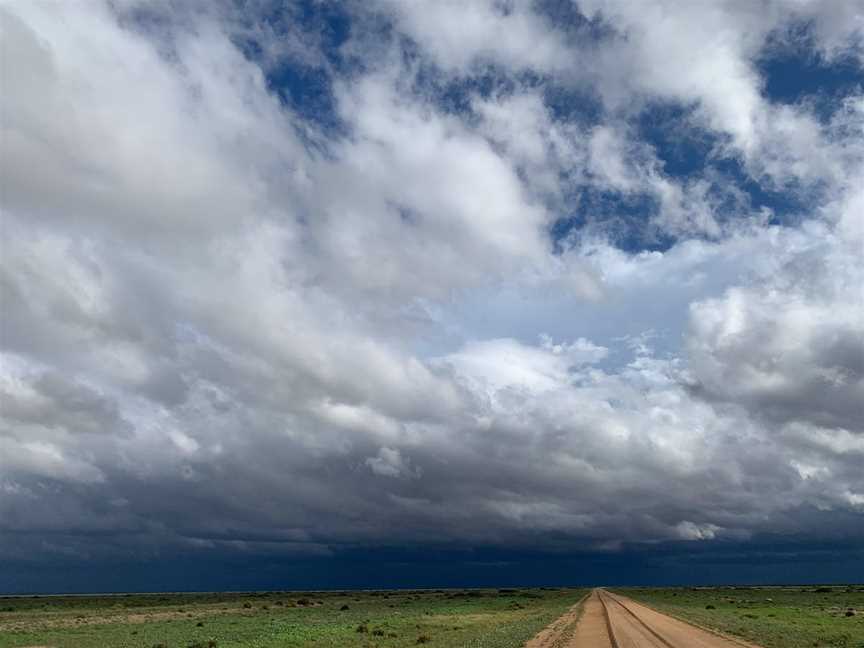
{"type": "Point", "coordinates": [795, 71]}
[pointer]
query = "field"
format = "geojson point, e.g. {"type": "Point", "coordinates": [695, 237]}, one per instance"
{"type": "Point", "coordinates": [774, 617]}
{"type": "Point", "coordinates": [478, 618]}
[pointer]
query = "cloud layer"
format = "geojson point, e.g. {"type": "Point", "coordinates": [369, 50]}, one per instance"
{"type": "Point", "coordinates": [474, 305]}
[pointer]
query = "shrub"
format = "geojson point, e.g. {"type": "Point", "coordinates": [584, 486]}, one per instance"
{"type": "Point", "coordinates": [424, 639]}
{"type": "Point", "coordinates": [362, 628]}
{"type": "Point", "coordinates": [345, 607]}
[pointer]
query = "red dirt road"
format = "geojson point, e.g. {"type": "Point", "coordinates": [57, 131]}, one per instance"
{"type": "Point", "coordinates": [612, 621]}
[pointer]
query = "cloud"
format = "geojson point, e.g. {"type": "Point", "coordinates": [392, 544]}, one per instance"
{"type": "Point", "coordinates": [228, 327]}
{"type": "Point", "coordinates": [690, 531]}
{"type": "Point", "coordinates": [460, 37]}
{"type": "Point", "coordinates": [52, 401]}
{"type": "Point", "coordinates": [501, 364]}
{"type": "Point", "coordinates": [389, 462]}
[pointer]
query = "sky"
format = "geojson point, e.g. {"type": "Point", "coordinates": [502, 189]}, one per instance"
{"type": "Point", "coordinates": [318, 294]}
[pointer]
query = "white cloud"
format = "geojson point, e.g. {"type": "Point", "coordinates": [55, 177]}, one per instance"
{"type": "Point", "coordinates": [505, 363]}
{"type": "Point", "coordinates": [791, 345]}
{"type": "Point", "coordinates": [389, 462]}
{"type": "Point", "coordinates": [194, 295]}
{"type": "Point", "coordinates": [689, 531]}
{"type": "Point", "coordinates": [459, 36]}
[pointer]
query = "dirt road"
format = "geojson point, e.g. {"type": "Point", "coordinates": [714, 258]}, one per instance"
{"type": "Point", "coordinates": [611, 621]}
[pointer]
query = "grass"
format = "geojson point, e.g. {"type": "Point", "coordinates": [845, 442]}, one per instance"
{"type": "Point", "coordinates": [774, 617]}
{"type": "Point", "coordinates": [475, 618]}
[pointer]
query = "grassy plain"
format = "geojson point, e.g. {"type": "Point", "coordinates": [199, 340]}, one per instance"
{"type": "Point", "coordinates": [383, 619]}
{"type": "Point", "coordinates": [774, 617]}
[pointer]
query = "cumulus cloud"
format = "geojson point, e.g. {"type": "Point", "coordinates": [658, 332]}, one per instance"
{"type": "Point", "coordinates": [224, 325]}
{"type": "Point", "coordinates": [460, 37]}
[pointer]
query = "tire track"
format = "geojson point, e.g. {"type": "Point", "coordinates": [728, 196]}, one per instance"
{"type": "Point", "coordinates": [611, 621]}
{"type": "Point", "coordinates": [605, 597]}
{"type": "Point", "coordinates": [609, 629]}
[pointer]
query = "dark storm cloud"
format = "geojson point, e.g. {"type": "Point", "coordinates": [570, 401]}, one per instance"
{"type": "Point", "coordinates": [55, 402]}
{"type": "Point", "coordinates": [232, 330]}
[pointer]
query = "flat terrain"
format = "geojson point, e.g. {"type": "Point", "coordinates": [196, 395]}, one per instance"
{"type": "Point", "coordinates": [774, 617]}
{"type": "Point", "coordinates": [612, 621]}
{"type": "Point", "coordinates": [477, 618]}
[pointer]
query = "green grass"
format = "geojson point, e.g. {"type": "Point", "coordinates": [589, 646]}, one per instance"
{"type": "Point", "coordinates": [476, 618]}
{"type": "Point", "coordinates": [774, 617]}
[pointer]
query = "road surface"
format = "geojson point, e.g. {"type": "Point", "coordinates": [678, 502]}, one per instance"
{"type": "Point", "coordinates": [612, 621]}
